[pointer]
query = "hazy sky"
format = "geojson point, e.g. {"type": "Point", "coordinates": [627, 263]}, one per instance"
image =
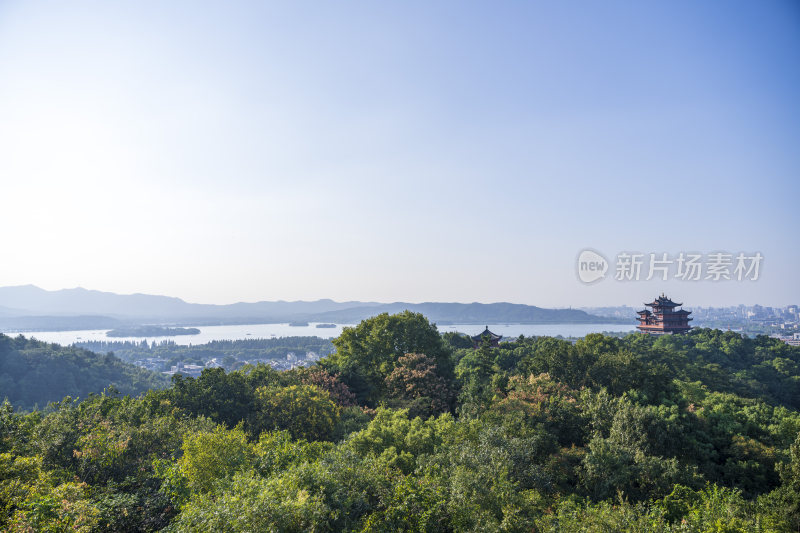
{"type": "Point", "coordinates": [417, 151]}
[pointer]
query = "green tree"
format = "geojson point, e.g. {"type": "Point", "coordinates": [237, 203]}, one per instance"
{"type": "Point", "coordinates": [367, 353]}
{"type": "Point", "coordinates": [415, 384]}
{"type": "Point", "coordinates": [304, 410]}
{"type": "Point", "coordinates": [474, 374]}
{"type": "Point", "coordinates": [212, 456]}
{"type": "Point", "coordinates": [250, 503]}
{"type": "Point", "coordinates": [226, 398]}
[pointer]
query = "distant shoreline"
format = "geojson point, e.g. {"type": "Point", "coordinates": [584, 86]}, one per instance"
{"type": "Point", "coordinates": [208, 323]}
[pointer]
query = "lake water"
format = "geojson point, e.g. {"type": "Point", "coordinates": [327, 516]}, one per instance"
{"type": "Point", "coordinates": [265, 331]}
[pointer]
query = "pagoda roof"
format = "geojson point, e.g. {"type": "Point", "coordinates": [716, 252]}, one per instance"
{"type": "Point", "coordinates": [663, 301]}
{"type": "Point", "coordinates": [492, 336]}
{"type": "Point", "coordinates": [644, 312]}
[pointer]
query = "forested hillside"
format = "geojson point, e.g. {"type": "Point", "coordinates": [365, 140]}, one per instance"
{"type": "Point", "coordinates": [402, 429]}
{"type": "Point", "coordinates": [34, 373]}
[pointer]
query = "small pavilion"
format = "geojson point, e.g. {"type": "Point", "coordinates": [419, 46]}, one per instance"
{"type": "Point", "coordinates": [494, 340]}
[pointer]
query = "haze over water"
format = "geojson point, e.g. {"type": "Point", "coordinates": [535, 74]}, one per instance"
{"type": "Point", "coordinates": [255, 331]}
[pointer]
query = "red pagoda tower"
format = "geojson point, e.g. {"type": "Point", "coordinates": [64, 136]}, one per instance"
{"type": "Point", "coordinates": [664, 318]}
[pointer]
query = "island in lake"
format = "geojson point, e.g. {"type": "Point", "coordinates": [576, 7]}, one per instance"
{"type": "Point", "coordinates": [298, 324]}
{"type": "Point", "coordinates": [150, 331]}
{"type": "Point", "coordinates": [326, 325]}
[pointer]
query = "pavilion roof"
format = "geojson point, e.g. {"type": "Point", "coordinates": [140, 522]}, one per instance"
{"type": "Point", "coordinates": [492, 336]}
{"type": "Point", "coordinates": [663, 301]}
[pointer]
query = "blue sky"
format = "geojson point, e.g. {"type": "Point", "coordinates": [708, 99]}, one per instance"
{"type": "Point", "coordinates": [418, 151]}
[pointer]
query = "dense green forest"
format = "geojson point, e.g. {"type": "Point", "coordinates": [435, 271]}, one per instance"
{"type": "Point", "coordinates": [404, 429]}
{"type": "Point", "coordinates": [34, 373]}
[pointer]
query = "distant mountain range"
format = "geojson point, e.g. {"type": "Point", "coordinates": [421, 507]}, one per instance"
{"type": "Point", "coordinates": [28, 307]}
